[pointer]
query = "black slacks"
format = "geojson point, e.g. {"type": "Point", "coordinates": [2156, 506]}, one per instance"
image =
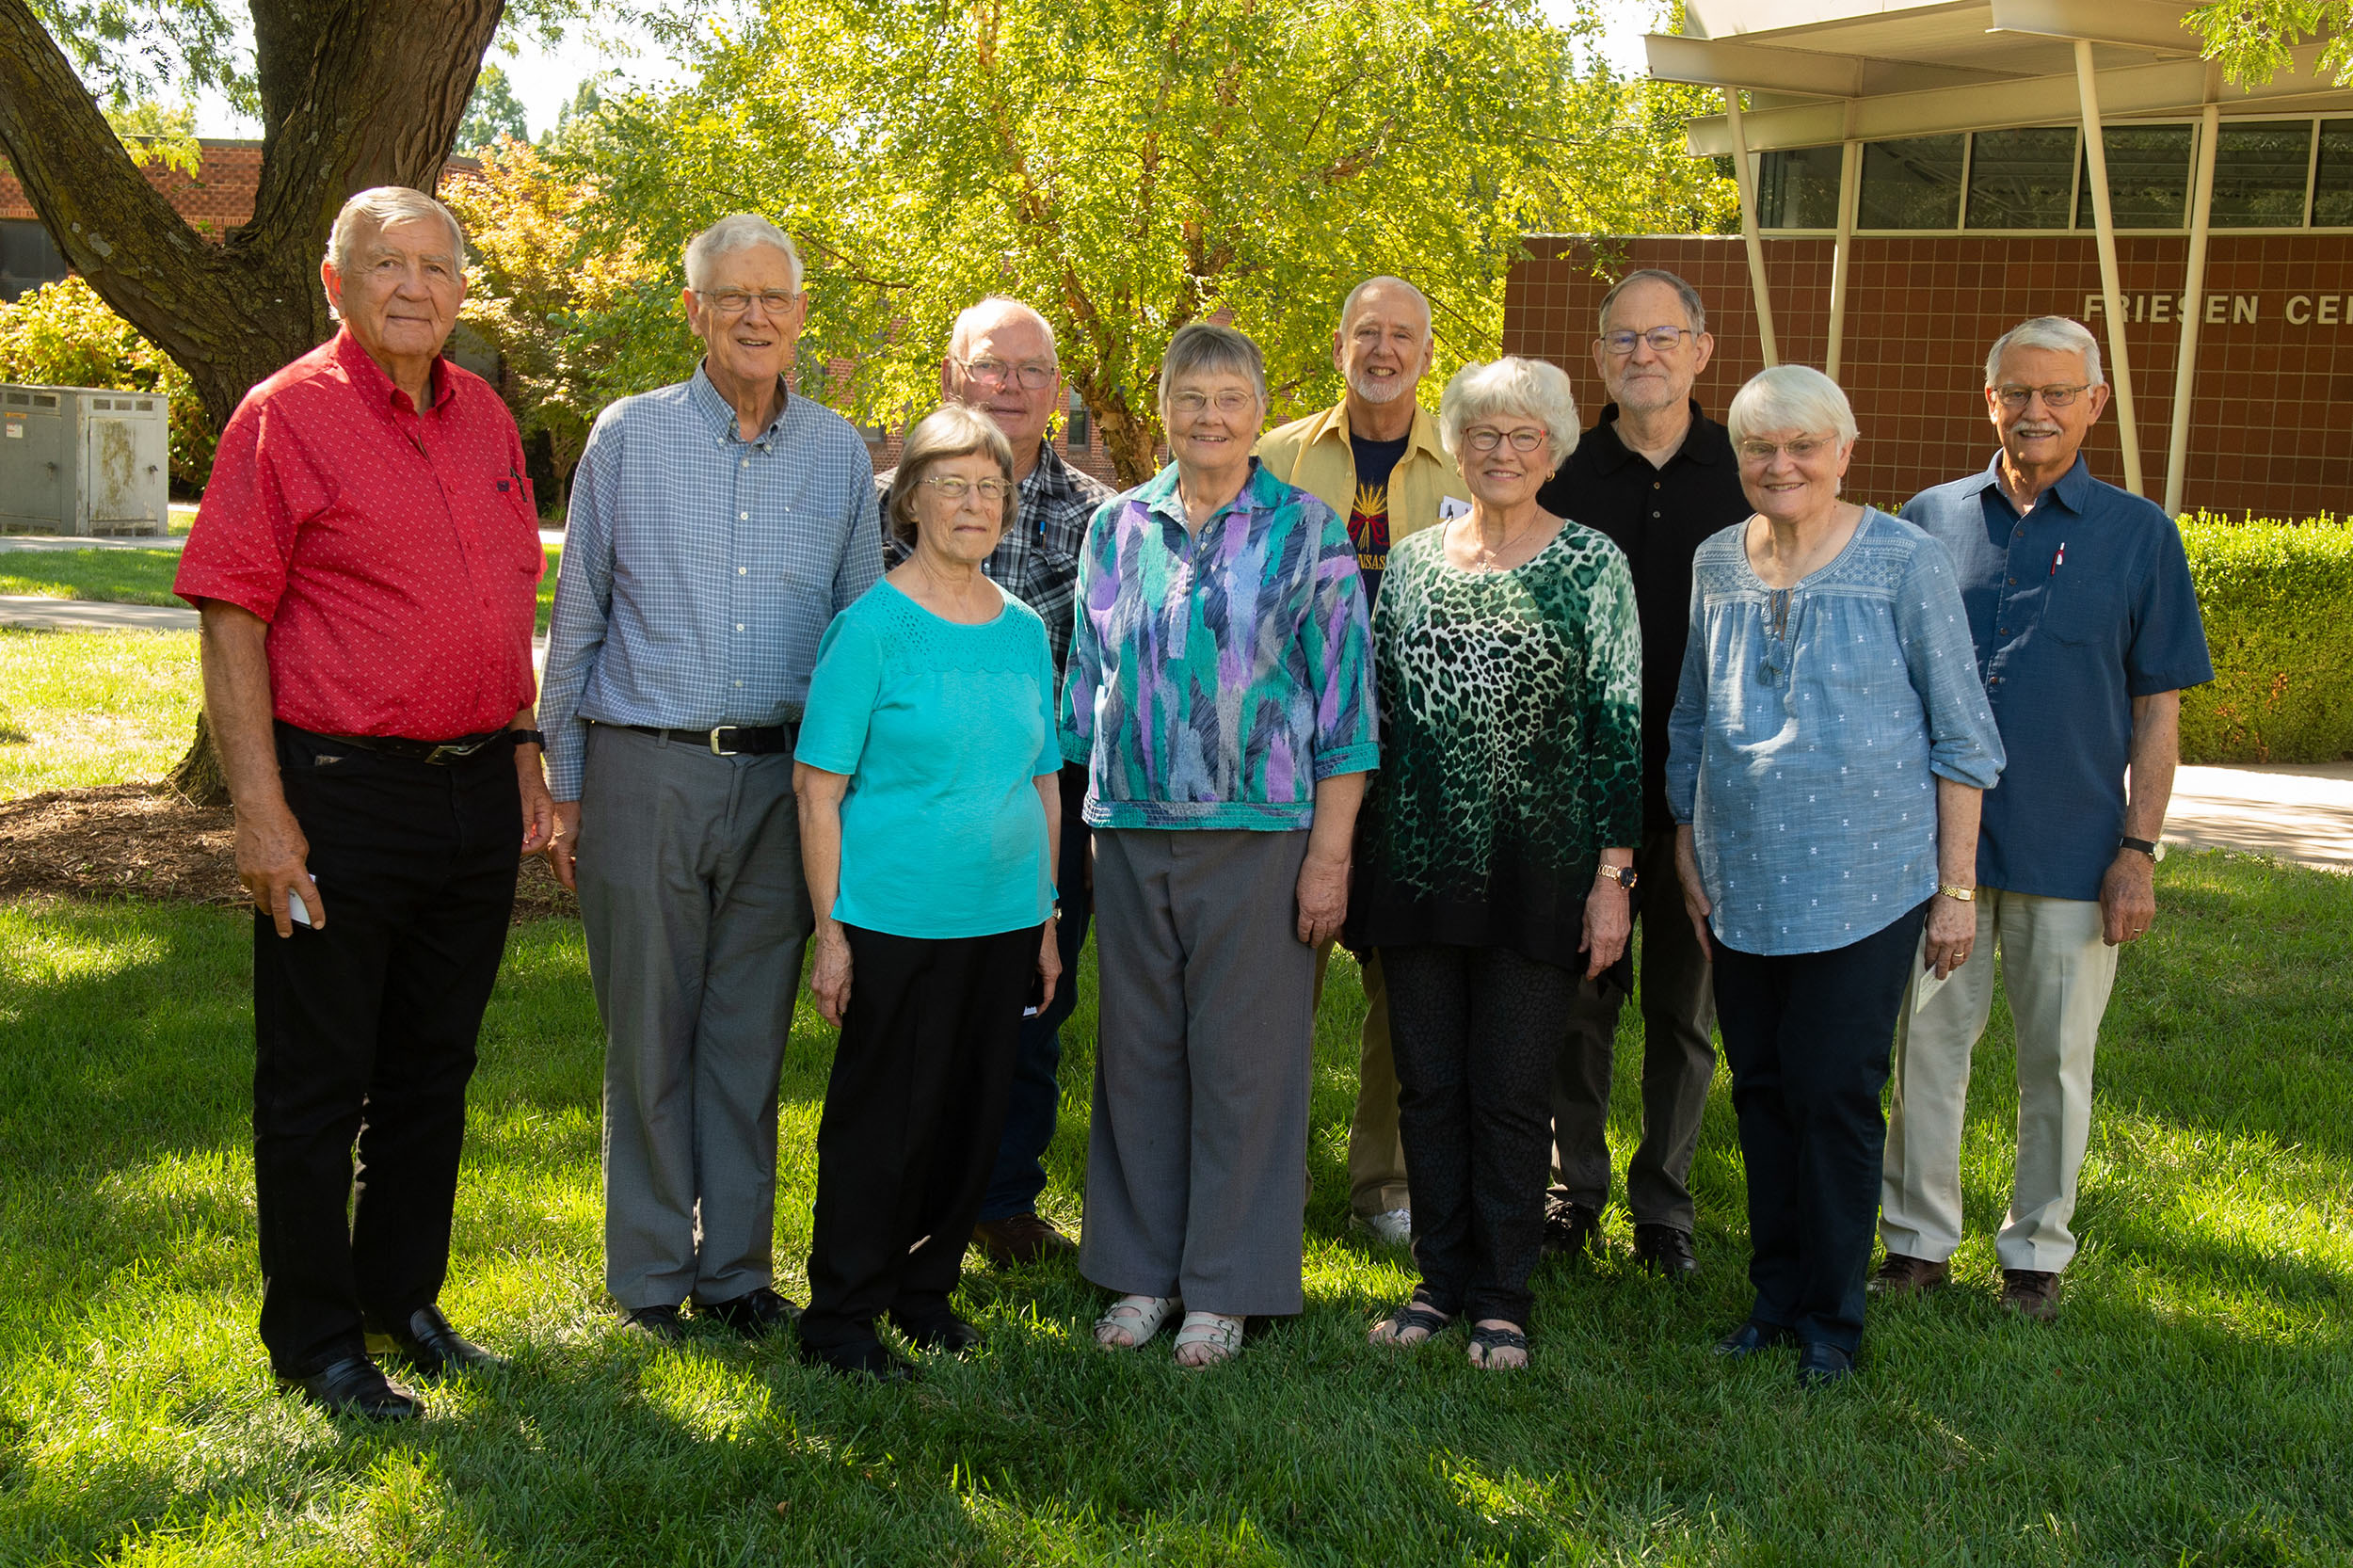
{"type": "Point", "coordinates": [914, 1109]}
{"type": "Point", "coordinates": [365, 1032]}
{"type": "Point", "coordinates": [1809, 1037]}
{"type": "Point", "coordinates": [1474, 1032]}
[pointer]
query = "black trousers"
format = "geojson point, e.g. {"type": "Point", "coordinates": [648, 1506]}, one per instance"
{"type": "Point", "coordinates": [913, 1112]}
{"type": "Point", "coordinates": [365, 1032]}
{"type": "Point", "coordinates": [1808, 1036]}
{"type": "Point", "coordinates": [1473, 1032]}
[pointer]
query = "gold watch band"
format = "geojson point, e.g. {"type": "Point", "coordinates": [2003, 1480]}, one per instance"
{"type": "Point", "coordinates": [1954, 889]}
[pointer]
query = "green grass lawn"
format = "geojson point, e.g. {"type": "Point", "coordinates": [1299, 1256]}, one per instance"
{"type": "Point", "coordinates": [83, 708]}
{"type": "Point", "coordinates": [2194, 1404]}
{"type": "Point", "coordinates": [141, 576]}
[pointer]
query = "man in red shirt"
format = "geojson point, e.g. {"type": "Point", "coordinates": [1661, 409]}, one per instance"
{"type": "Point", "coordinates": [367, 560]}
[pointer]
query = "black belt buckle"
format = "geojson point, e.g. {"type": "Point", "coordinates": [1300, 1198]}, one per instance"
{"type": "Point", "coordinates": [717, 750]}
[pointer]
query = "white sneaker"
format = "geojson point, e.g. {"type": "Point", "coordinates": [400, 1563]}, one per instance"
{"type": "Point", "coordinates": [1392, 1229]}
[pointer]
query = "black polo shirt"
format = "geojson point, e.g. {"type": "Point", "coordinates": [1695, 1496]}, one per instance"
{"type": "Point", "coordinates": [1657, 516]}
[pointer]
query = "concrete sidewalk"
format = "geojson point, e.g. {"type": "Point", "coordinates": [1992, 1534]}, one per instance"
{"type": "Point", "coordinates": [82, 615]}
{"type": "Point", "coordinates": [2289, 812]}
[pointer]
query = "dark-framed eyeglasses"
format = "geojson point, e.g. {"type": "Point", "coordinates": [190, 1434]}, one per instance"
{"type": "Point", "coordinates": [1486, 438]}
{"type": "Point", "coordinates": [988, 371]}
{"type": "Point", "coordinates": [2014, 397]}
{"type": "Point", "coordinates": [1662, 340]}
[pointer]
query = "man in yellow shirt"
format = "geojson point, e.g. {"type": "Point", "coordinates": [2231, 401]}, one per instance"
{"type": "Point", "coordinates": [1375, 459]}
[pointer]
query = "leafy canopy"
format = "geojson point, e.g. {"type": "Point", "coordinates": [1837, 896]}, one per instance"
{"type": "Point", "coordinates": [2253, 37]}
{"type": "Point", "coordinates": [492, 112]}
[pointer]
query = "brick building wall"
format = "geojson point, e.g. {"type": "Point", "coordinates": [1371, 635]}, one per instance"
{"type": "Point", "coordinates": [2271, 411]}
{"type": "Point", "coordinates": [219, 200]}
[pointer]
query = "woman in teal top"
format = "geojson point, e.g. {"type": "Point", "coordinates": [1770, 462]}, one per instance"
{"type": "Point", "coordinates": [927, 770]}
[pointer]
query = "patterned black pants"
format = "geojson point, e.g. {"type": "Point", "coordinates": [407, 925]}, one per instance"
{"type": "Point", "coordinates": [1474, 1030]}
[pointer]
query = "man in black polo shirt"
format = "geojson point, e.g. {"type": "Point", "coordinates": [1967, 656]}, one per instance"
{"type": "Point", "coordinates": [1657, 476]}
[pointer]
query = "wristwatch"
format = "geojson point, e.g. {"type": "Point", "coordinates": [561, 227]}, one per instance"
{"type": "Point", "coordinates": [1623, 876]}
{"type": "Point", "coordinates": [1954, 889]}
{"type": "Point", "coordinates": [529, 737]}
{"type": "Point", "coordinates": [2144, 845]}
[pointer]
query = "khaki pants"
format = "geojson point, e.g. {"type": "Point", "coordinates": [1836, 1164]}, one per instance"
{"type": "Point", "coordinates": [2056, 973]}
{"type": "Point", "coordinates": [1376, 1151]}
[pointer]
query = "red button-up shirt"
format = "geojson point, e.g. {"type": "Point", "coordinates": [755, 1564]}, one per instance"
{"type": "Point", "coordinates": [394, 555]}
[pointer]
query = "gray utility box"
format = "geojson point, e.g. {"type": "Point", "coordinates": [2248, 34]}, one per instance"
{"type": "Point", "coordinates": [84, 460]}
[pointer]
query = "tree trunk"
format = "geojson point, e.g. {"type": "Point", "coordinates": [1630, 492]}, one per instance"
{"type": "Point", "coordinates": [198, 777]}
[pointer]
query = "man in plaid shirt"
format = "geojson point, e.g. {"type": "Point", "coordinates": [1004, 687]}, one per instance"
{"type": "Point", "coordinates": [1001, 360]}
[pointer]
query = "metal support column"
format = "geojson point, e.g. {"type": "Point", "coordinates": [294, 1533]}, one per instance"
{"type": "Point", "coordinates": [1746, 177]}
{"type": "Point", "coordinates": [1849, 172]}
{"type": "Point", "coordinates": [2111, 286]}
{"type": "Point", "coordinates": [2194, 291]}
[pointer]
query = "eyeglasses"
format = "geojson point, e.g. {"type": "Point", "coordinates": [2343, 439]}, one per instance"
{"type": "Point", "coordinates": [2015, 397]}
{"type": "Point", "coordinates": [1192, 404]}
{"type": "Point", "coordinates": [1800, 450]}
{"type": "Point", "coordinates": [1486, 438]}
{"type": "Point", "coordinates": [734, 302]}
{"type": "Point", "coordinates": [953, 488]}
{"type": "Point", "coordinates": [1035, 376]}
{"type": "Point", "coordinates": [1662, 340]}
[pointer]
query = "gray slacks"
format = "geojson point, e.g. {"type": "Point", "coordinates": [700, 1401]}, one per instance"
{"type": "Point", "coordinates": [697, 915]}
{"type": "Point", "coordinates": [1197, 1159]}
{"type": "Point", "coordinates": [1678, 1061]}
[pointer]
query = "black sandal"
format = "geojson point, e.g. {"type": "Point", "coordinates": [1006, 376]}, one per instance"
{"type": "Point", "coordinates": [1493, 1340]}
{"type": "Point", "coordinates": [1414, 1313]}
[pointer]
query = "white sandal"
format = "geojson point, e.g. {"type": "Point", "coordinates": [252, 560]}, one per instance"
{"type": "Point", "coordinates": [1216, 1332]}
{"type": "Point", "coordinates": [1138, 1318]}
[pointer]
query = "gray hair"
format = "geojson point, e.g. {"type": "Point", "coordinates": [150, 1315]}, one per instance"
{"type": "Point", "coordinates": [969, 319]}
{"type": "Point", "coordinates": [737, 231]}
{"type": "Point", "coordinates": [1205, 348]}
{"type": "Point", "coordinates": [384, 206]}
{"type": "Point", "coordinates": [1532, 388]}
{"type": "Point", "coordinates": [1791, 397]}
{"type": "Point", "coordinates": [1693, 310]}
{"type": "Point", "coordinates": [950, 430]}
{"type": "Point", "coordinates": [1348, 306]}
{"type": "Point", "coordinates": [2057, 333]}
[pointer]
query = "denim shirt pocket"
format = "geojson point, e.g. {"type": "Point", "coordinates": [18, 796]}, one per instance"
{"type": "Point", "coordinates": [2084, 604]}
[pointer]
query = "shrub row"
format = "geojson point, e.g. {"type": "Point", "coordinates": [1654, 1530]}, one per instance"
{"type": "Point", "coordinates": [2278, 601]}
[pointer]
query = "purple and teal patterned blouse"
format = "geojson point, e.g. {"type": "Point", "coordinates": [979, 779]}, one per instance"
{"type": "Point", "coordinates": [1215, 679]}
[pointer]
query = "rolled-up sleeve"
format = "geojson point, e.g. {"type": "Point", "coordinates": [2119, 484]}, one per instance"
{"type": "Point", "coordinates": [584, 605]}
{"type": "Point", "coordinates": [1687, 725]}
{"type": "Point", "coordinates": [1964, 746]}
{"type": "Point", "coordinates": [1335, 643]}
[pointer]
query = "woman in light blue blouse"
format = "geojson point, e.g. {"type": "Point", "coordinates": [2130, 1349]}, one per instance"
{"type": "Point", "coordinates": [1829, 743]}
{"type": "Point", "coordinates": [928, 772]}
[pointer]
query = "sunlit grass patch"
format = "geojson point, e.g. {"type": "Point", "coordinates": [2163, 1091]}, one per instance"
{"type": "Point", "coordinates": [93, 707]}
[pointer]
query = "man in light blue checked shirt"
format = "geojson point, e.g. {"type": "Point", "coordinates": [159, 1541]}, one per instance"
{"type": "Point", "coordinates": [716, 528]}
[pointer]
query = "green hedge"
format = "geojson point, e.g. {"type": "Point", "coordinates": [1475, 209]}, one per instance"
{"type": "Point", "coordinates": [2278, 601]}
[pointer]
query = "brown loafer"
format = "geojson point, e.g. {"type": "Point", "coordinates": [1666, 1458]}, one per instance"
{"type": "Point", "coordinates": [2031, 1293]}
{"type": "Point", "coordinates": [1909, 1277]}
{"type": "Point", "coordinates": [1020, 1239]}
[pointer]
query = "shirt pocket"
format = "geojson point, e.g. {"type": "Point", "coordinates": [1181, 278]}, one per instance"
{"type": "Point", "coordinates": [2084, 606]}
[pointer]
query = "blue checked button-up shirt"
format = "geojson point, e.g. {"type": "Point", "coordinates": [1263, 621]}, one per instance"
{"type": "Point", "coordinates": [700, 569]}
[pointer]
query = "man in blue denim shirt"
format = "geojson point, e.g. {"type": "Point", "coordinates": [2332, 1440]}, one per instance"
{"type": "Point", "coordinates": [2087, 628]}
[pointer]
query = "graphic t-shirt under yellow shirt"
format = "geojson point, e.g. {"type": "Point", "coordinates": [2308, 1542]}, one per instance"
{"type": "Point", "coordinates": [1369, 515]}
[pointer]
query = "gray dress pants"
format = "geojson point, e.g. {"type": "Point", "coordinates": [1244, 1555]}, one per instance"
{"type": "Point", "coordinates": [1197, 1154]}
{"type": "Point", "coordinates": [697, 915]}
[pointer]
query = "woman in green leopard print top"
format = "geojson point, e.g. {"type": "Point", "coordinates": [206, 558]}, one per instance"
{"type": "Point", "coordinates": [1488, 856]}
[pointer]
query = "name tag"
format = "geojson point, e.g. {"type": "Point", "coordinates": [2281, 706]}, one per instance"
{"type": "Point", "coordinates": [1450, 507]}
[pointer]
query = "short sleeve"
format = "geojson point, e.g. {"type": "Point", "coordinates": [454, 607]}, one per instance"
{"type": "Point", "coordinates": [842, 695]}
{"type": "Point", "coordinates": [2168, 649]}
{"type": "Point", "coordinates": [241, 548]}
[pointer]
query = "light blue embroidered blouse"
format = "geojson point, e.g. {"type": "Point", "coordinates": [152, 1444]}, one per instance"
{"type": "Point", "coordinates": [1809, 730]}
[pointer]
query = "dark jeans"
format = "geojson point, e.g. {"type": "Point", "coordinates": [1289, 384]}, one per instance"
{"type": "Point", "coordinates": [1037, 1093]}
{"type": "Point", "coordinates": [1473, 1032]}
{"type": "Point", "coordinates": [364, 1031]}
{"type": "Point", "coordinates": [1678, 1061]}
{"type": "Point", "coordinates": [911, 1122]}
{"type": "Point", "coordinates": [1809, 1036]}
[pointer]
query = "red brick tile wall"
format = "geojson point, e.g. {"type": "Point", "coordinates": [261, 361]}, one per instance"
{"type": "Point", "coordinates": [219, 199]}
{"type": "Point", "coordinates": [2271, 426]}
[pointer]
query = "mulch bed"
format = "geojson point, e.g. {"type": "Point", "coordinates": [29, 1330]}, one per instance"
{"type": "Point", "coordinates": [141, 842]}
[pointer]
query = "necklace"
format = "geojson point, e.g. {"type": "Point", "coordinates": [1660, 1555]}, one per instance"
{"type": "Point", "coordinates": [1488, 559]}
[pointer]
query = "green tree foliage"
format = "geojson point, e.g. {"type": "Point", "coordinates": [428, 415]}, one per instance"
{"type": "Point", "coordinates": [492, 112]}
{"type": "Point", "coordinates": [2253, 38]}
{"type": "Point", "coordinates": [63, 335]}
{"type": "Point", "coordinates": [1130, 166]}
{"type": "Point", "coordinates": [154, 133]}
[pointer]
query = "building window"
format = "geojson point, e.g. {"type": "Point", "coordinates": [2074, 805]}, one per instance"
{"type": "Point", "coordinates": [2148, 178]}
{"type": "Point", "coordinates": [1910, 184]}
{"type": "Point", "coordinates": [1797, 189]}
{"type": "Point", "coordinates": [1076, 435]}
{"type": "Point", "coordinates": [2332, 180]}
{"type": "Point", "coordinates": [2259, 174]}
{"type": "Point", "coordinates": [29, 258]}
{"type": "Point", "coordinates": [2023, 178]}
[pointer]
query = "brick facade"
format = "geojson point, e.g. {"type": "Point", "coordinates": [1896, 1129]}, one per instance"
{"type": "Point", "coordinates": [2271, 427]}
{"type": "Point", "coordinates": [220, 200]}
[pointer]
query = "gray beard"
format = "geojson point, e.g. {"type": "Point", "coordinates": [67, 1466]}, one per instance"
{"type": "Point", "coordinates": [1372, 391]}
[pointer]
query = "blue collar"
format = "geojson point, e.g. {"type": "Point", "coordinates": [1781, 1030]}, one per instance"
{"type": "Point", "coordinates": [2076, 488]}
{"type": "Point", "coordinates": [1159, 494]}
{"type": "Point", "coordinates": [720, 415]}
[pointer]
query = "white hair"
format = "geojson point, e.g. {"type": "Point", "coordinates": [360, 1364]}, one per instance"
{"type": "Point", "coordinates": [1791, 397]}
{"type": "Point", "coordinates": [972, 317]}
{"type": "Point", "coordinates": [1208, 348]}
{"type": "Point", "coordinates": [1348, 306]}
{"type": "Point", "coordinates": [737, 231]}
{"type": "Point", "coordinates": [2057, 333]}
{"type": "Point", "coordinates": [1694, 308]}
{"type": "Point", "coordinates": [384, 206]}
{"type": "Point", "coordinates": [1531, 388]}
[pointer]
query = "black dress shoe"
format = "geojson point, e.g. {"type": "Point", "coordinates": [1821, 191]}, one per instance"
{"type": "Point", "coordinates": [755, 1314]}
{"type": "Point", "coordinates": [432, 1348]}
{"type": "Point", "coordinates": [1820, 1365]}
{"type": "Point", "coordinates": [656, 1322]}
{"type": "Point", "coordinates": [946, 1332]}
{"type": "Point", "coordinates": [355, 1386]}
{"type": "Point", "coordinates": [867, 1357]}
{"type": "Point", "coordinates": [1570, 1228]}
{"type": "Point", "coordinates": [1666, 1250]}
{"type": "Point", "coordinates": [1752, 1336]}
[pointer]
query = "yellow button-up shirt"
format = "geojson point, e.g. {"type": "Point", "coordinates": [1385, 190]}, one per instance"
{"type": "Point", "coordinates": [1314, 453]}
